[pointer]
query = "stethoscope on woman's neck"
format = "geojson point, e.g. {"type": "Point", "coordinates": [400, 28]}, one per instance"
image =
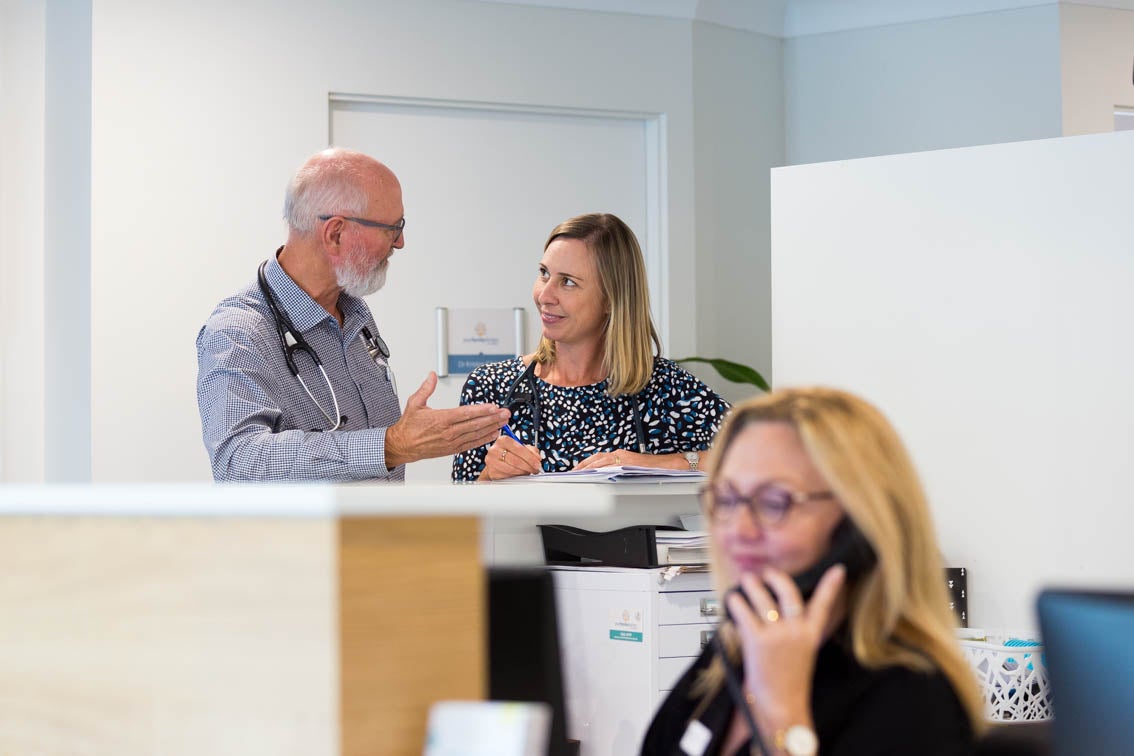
{"type": "Point", "coordinates": [292, 341]}
{"type": "Point", "coordinates": [528, 395]}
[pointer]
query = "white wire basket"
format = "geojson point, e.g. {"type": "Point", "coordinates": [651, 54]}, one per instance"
{"type": "Point", "coordinates": [1011, 672]}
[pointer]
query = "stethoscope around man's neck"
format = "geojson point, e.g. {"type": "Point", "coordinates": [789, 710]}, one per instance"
{"type": "Point", "coordinates": [292, 341]}
{"type": "Point", "coordinates": [528, 395]}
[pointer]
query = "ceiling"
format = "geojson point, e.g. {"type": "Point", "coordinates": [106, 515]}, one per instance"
{"type": "Point", "coordinates": [794, 18]}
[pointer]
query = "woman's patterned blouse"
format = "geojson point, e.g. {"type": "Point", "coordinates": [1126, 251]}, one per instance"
{"type": "Point", "coordinates": [679, 414]}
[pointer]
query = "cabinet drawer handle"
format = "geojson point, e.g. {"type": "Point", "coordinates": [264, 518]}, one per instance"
{"type": "Point", "coordinates": [706, 637]}
{"type": "Point", "coordinates": [710, 607]}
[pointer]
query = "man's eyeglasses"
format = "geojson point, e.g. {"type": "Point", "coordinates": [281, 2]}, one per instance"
{"type": "Point", "coordinates": [769, 504]}
{"type": "Point", "coordinates": [395, 227]}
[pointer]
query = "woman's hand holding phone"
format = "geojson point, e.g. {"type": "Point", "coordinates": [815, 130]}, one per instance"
{"type": "Point", "coordinates": [780, 636]}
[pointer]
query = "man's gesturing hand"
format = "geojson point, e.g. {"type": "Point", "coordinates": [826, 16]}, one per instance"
{"type": "Point", "coordinates": [424, 433]}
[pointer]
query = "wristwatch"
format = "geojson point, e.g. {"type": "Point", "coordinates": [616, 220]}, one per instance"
{"type": "Point", "coordinates": [694, 459]}
{"type": "Point", "coordinates": [797, 740]}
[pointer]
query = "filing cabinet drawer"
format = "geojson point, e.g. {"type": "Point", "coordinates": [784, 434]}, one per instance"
{"type": "Point", "coordinates": [687, 581]}
{"type": "Point", "coordinates": [683, 640]}
{"type": "Point", "coordinates": [671, 670]}
{"type": "Point", "coordinates": [687, 608]}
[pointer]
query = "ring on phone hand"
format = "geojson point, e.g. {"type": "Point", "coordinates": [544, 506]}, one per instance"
{"type": "Point", "coordinates": [772, 615]}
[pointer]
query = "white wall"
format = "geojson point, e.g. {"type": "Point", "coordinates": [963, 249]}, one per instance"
{"type": "Point", "coordinates": [22, 93]}
{"type": "Point", "coordinates": [1096, 66]}
{"type": "Point", "coordinates": [739, 137]}
{"type": "Point", "coordinates": [981, 297]}
{"type": "Point", "coordinates": [202, 110]}
{"type": "Point", "coordinates": [978, 79]}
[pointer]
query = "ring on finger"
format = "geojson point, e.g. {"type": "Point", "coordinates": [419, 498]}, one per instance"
{"type": "Point", "coordinates": [503, 454]}
{"type": "Point", "coordinates": [772, 615]}
{"type": "Point", "coordinates": [617, 460]}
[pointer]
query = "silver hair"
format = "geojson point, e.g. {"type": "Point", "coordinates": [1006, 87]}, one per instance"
{"type": "Point", "coordinates": [329, 185]}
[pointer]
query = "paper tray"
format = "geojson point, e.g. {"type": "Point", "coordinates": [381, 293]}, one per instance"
{"type": "Point", "coordinates": [633, 546]}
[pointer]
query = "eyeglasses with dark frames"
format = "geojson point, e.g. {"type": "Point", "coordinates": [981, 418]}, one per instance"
{"type": "Point", "coordinates": [395, 227]}
{"type": "Point", "coordinates": [769, 504]}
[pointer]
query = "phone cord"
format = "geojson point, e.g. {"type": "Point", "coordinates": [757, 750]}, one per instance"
{"type": "Point", "coordinates": [738, 697]}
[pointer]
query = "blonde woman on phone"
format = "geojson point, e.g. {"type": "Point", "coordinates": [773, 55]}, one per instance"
{"type": "Point", "coordinates": [813, 489]}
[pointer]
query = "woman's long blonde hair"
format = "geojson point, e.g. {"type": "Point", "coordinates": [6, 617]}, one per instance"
{"type": "Point", "coordinates": [898, 612]}
{"type": "Point", "coordinates": [630, 341]}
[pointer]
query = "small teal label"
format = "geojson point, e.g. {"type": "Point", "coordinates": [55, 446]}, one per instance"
{"type": "Point", "coordinates": [464, 363]}
{"type": "Point", "coordinates": [626, 635]}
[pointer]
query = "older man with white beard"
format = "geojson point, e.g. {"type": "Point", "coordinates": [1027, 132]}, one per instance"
{"type": "Point", "coordinates": [293, 376]}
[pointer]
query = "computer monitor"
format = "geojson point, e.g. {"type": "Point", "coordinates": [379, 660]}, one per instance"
{"type": "Point", "coordinates": [1087, 639]}
{"type": "Point", "coordinates": [523, 646]}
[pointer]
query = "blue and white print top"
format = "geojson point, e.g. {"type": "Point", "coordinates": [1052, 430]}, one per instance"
{"type": "Point", "coordinates": [679, 414]}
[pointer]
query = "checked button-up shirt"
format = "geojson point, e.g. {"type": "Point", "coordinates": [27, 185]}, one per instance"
{"type": "Point", "coordinates": [257, 421]}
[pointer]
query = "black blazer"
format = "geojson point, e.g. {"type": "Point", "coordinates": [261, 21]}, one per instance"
{"type": "Point", "coordinates": [857, 711]}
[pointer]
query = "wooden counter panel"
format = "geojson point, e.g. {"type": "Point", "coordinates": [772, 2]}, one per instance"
{"type": "Point", "coordinates": [413, 618]}
{"type": "Point", "coordinates": [167, 635]}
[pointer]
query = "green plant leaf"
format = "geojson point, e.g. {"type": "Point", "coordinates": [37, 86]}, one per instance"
{"type": "Point", "coordinates": [732, 371]}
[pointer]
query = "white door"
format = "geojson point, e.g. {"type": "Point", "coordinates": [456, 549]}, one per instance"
{"type": "Point", "coordinates": [483, 187]}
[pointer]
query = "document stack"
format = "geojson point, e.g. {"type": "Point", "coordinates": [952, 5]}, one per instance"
{"type": "Point", "coordinates": [616, 474]}
{"type": "Point", "coordinates": [682, 546]}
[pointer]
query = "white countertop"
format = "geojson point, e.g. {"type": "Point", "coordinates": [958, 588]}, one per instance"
{"type": "Point", "coordinates": [306, 499]}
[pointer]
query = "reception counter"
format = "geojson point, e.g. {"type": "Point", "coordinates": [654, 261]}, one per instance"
{"type": "Point", "coordinates": [300, 619]}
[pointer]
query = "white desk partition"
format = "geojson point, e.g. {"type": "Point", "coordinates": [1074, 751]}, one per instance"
{"type": "Point", "coordinates": [984, 299]}
{"type": "Point", "coordinates": [246, 619]}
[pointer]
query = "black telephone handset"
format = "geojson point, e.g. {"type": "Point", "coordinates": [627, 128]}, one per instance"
{"type": "Point", "coordinates": [849, 548]}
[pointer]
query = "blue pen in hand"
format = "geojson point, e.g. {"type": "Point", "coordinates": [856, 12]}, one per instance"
{"type": "Point", "coordinates": [508, 432]}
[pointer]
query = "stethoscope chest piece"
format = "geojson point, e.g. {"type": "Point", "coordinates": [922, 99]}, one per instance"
{"type": "Point", "coordinates": [380, 353]}
{"type": "Point", "coordinates": [375, 345]}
